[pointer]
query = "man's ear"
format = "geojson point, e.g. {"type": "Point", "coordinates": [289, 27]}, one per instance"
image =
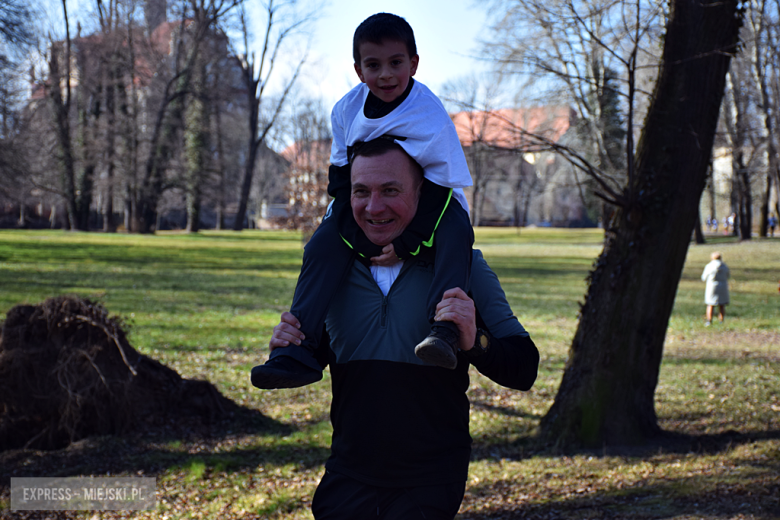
{"type": "Point", "coordinates": [359, 72]}
{"type": "Point", "coordinates": [415, 61]}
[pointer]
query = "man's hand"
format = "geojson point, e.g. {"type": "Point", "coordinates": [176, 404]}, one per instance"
{"type": "Point", "coordinates": [287, 332]}
{"type": "Point", "coordinates": [458, 308]}
{"type": "Point", "coordinates": [387, 258]}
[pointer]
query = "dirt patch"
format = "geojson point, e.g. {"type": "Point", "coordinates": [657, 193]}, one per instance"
{"type": "Point", "coordinates": [68, 372]}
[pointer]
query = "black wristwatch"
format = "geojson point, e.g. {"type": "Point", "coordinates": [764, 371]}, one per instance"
{"type": "Point", "coordinates": [481, 345]}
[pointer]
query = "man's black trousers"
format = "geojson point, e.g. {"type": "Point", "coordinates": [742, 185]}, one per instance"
{"type": "Point", "coordinates": [339, 497]}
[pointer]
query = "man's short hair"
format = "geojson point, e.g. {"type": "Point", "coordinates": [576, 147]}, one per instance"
{"type": "Point", "coordinates": [381, 146]}
{"type": "Point", "coordinates": [380, 27]}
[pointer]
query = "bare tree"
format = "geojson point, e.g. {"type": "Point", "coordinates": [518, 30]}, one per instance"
{"type": "Point", "coordinates": [763, 22]}
{"type": "Point", "coordinates": [598, 57]}
{"type": "Point", "coordinates": [606, 394]}
{"type": "Point", "coordinates": [15, 17]}
{"type": "Point", "coordinates": [477, 97]}
{"type": "Point", "coordinates": [282, 24]}
{"type": "Point", "coordinates": [307, 176]}
{"type": "Point", "coordinates": [607, 391]}
{"type": "Point", "coordinates": [198, 23]}
{"type": "Point", "coordinates": [61, 97]}
{"type": "Point", "coordinates": [742, 133]}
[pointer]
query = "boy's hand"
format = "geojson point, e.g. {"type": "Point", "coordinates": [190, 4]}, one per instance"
{"type": "Point", "coordinates": [286, 332]}
{"type": "Point", "coordinates": [457, 307]}
{"type": "Point", "coordinates": [387, 258]}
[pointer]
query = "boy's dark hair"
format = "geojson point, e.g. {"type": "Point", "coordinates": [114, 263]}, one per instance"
{"type": "Point", "coordinates": [380, 27]}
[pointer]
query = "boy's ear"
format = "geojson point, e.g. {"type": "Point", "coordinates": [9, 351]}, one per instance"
{"type": "Point", "coordinates": [415, 61]}
{"type": "Point", "coordinates": [359, 72]}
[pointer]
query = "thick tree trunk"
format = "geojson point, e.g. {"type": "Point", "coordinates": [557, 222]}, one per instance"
{"type": "Point", "coordinates": [606, 395]}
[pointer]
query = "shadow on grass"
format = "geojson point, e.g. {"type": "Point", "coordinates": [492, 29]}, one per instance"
{"type": "Point", "coordinates": [154, 450]}
{"type": "Point", "coordinates": [752, 493]}
{"type": "Point", "coordinates": [677, 498]}
{"type": "Point", "coordinates": [504, 410]}
{"type": "Point", "coordinates": [529, 446]}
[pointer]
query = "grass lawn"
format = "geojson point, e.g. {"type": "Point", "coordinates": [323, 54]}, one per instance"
{"type": "Point", "coordinates": [205, 305]}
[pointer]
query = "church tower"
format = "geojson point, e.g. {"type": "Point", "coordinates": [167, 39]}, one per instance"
{"type": "Point", "coordinates": [155, 12]}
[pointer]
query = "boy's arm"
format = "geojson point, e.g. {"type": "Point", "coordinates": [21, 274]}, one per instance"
{"type": "Point", "coordinates": [339, 171]}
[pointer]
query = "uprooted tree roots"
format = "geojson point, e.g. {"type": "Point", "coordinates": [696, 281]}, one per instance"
{"type": "Point", "coordinates": [67, 372]}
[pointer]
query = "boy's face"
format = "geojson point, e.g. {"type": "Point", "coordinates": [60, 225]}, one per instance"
{"type": "Point", "coordinates": [386, 68]}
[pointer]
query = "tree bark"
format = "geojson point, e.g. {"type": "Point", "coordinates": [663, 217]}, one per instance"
{"type": "Point", "coordinates": [606, 394]}
{"type": "Point", "coordinates": [698, 234]}
{"type": "Point", "coordinates": [61, 108]}
{"type": "Point", "coordinates": [196, 145]}
{"type": "Point", "coordinates": [253, 104]}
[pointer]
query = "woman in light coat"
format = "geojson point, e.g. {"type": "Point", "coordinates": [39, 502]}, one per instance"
{"type": "Point", "coordinates": [716, 274]}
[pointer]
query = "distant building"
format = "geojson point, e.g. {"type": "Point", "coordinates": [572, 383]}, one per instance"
{"type": "Point", "coordinates": [154, 49]}
{"type": "Point", "coordinates": [517, 179]}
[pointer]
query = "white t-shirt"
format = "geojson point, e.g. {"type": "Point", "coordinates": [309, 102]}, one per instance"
{"type": "Point", "coordinates": [385, 276]}
{"type": "Point", "coordinates": [431, 138]}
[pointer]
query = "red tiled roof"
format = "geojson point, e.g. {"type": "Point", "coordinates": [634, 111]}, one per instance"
{"type": "Point", "coordinates": [506, 128]}
{"type": "Point", "coordinates": [307, 154]}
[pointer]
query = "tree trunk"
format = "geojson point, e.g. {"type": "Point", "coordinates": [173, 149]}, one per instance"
{"type": "Point", "coordinates": [253, 102]}
{"type": "Point", "coordinates": [697, 232]}
{"type": "Point", "coordinates": [220, 165]}
{"type": "Point", "coordinates": [763, 227]}
{"type": "Point", "coordinates": [112, 93]}
{"type": "Point", "coordinates": [196, 143]}
{"type": "Point", "coordinates": [246, 185]}
{"type": "Point", "coordinates": [606, 394]}
{"type": "Point", "coordinates": [167, 127]}
{"type": "Point", "coordinates": [62, 124]}
{"type": "Point", "coordinates": [745, 213]}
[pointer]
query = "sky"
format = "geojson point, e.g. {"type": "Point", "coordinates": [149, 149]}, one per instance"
{"type": "Point", "coordinates": [446, 33]}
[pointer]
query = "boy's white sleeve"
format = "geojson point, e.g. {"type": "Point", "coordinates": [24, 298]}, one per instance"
{"type": "Point", "coordinates": [442, 157]}
{"type": "Point", "coordinates": [338, 149]}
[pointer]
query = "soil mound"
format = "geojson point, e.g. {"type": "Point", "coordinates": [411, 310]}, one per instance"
{"type": "Point", "coordinates": [67, 372]}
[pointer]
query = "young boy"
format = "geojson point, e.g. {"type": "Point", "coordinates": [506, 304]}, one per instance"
{"type": "Point", "coordinates": [387, 104]}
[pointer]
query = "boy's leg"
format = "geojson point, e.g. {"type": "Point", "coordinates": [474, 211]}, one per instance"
{"type": "Point", "coordinates": [452, 268]}
{"type": "Point", "coordinates": [326, 262]}
{"type": "Point", "coordinates": [452, 242]}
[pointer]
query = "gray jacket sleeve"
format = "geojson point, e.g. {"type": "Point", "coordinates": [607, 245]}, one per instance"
{"type": "Point", "coordinates": [513, 359]}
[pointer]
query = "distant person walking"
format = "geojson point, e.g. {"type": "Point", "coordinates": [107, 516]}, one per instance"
{"type": "Point", "coordinates": [716, 274]}
{"type": "Point", "coordinates": [772, 224]}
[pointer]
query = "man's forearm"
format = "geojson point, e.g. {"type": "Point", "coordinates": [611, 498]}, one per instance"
{"type": "Point", "coordinates": [512, 362]}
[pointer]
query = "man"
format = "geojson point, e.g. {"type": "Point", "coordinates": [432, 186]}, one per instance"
{"type": "Point", "coordinates": [401, 441]}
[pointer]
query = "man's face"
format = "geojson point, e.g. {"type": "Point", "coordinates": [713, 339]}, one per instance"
{"type": "Point", "coordinates": [386, 68]}
{"type": "Point", "coordinates": [385, 191]}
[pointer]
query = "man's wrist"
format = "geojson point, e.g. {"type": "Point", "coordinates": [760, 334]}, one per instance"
{"type": "Point", "coordinates": [481, 345]}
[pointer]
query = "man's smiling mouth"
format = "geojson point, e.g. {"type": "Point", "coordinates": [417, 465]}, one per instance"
{"type": "Point", "coordinates": [380, 222]}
